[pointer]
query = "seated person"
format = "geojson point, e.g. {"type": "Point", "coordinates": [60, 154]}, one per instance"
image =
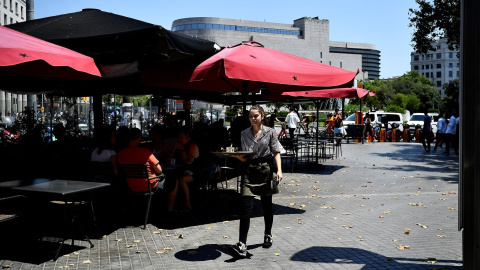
{"type": "Point", "coordinates": [158, 146]}
{"type": "Point", "coordinates": [136, 155]}
{"type": "Point", "coordinates": [104, 152]}
{"type": "Point", "coordinates": [338, 125]}
{"type": "Point", "coordinates": [304, 122]}
{"type": "Point", "coordinates": [185, 152]}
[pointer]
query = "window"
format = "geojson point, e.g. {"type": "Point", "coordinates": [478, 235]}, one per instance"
{"type": "Point", "coordinates": [458, 64]}
{"type": "Point", "coordinates": [450, 65]}
{"type": "Point", "coordinates": [431, 66]}
{"type": "Point", "coordinates": [415, 67]}
{"type": "Point", "coordinates": [439, 83]}
{"type": "Point", "coordinates": [427, 67]}
{"type": "Point", "coordinates": [16, 8]}
{"type": "Point", "coordinates": [439, 55]}
{"type": "Point", "coordinates": [11, 20]}
{"type": "Point", "coordinates": [11, 6]}
{"type": "Point", "coordinates": [415, 57]}
{"type": "Point", "coordinates": [431, 74]}
{"type": "Point", "coordinates": [450, 74]}
{"type": "Point", "coordinates": [450, 55]}
{"type": "Point", "coordinates": [21, 11]}
{"type": "Point", "coordinates": [321, 54]}
{"type": "Point", "coordinates": [423, 57]}
{"type": "Point", "coordinates": [5, 19]}
{"type": "Point", "coordinates": [423, 67]}
{"type": "Point", "coordinates": [439, 65]}
{"type": "Point", "coordinates": [458, 74]}
{"type": "Point", "coordinates": [427, 75]}
{"type": "Point", "coordinates": [330, 63]}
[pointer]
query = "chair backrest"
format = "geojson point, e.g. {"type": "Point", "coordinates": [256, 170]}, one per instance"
{"type": "Point", "coordinates": [101, 170]}
{"type": "Point", "coordinates": [138, 171]}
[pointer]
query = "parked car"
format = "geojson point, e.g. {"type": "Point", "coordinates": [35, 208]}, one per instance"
{"type": "Point", "coordinates": [376, 118]}
{"type": "Point", "coordinates": [417, 119]}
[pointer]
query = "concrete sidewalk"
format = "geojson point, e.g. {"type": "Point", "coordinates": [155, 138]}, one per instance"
{"type": "Point", "coordinates": [379, 206]}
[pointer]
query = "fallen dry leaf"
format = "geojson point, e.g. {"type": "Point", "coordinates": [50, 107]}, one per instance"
{"type": "Point", "coordinates": [386, 212]}
{"type": "Point", "coordinates": [136, 241]}
{"type": "Point", "coordinates": [139, 251]}
{"type": "Point", "coordinates": [452, 192]}
{"type": "Point", "coordinates": [87, 261]}
{"type": "Point", "coordinates": [347, 226]}
{"type": "Point", "coordinates": [62, 267]}
{"type": "Point", "coordinates": [167, 248]}
{"type": "Point", "coordinates": [381, 216]}
{"type": "Point", "coordinates": [421, 225]}
{"type": "Point", "coordinates": [6, 266]}
{"type": "Point", "coordinates": [407, 231]}
{"type": "Point", "coordinates": [277, 254]}
{"type": "Point", "coordinates": [299, 218]}
{"type": "Point", "coordinates": [129, 246]}
{"type": "Point", "coordinates": [160, 251]}
{"type": "Point", "coordinates": [292, 204]}
{"type": "Point", "coordinates": [119, 239]}
{"type": "Point", "coordinates": [180, 236]}
{"type": "Point", "coordinates": [441, 235]}
{"type": "Point", "coordinates": [403, 247]}
{"type": "Point", "coordinates": [431, 260]}
{"type": "Point", "coordinates": [451, 208]}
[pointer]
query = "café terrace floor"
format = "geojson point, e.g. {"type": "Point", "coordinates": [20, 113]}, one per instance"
{"type": "Point", "coordinates": [378, 206]}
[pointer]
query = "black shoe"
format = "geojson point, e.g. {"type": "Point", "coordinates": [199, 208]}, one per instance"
{"type": "Point", "coordinates": [267, 241]}
{"type": "Point", "coordinates": [240, 249]}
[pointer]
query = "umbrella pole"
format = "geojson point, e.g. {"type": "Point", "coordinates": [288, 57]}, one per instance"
{"type": "Point", "coordinates": [51, 118]}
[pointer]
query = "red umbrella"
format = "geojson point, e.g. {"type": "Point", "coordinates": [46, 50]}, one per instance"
{"type": "Point", "coordinates": [249, 66]}
{"type": "Point", "coordinates": [25, 55]}
{"type": "Point", "coordinates": [332, 93]}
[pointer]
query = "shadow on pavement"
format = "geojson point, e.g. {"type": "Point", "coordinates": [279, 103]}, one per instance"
{"type": "Point", "coordinates": [369, 260]}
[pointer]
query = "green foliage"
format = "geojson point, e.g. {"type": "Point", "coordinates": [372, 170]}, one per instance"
{"type": "Point", "coordinates": [308, 106]}
{"type": "Point", "coordinates": [400, 100]}
{"type": "Point", "coordinates": [450, 102]}
{"type": "Point", "coordinates": [394, 108]}
{"type": "Point", "coordinates": [434, 20]}
{"type": "Point", "coordinates": [282, 114]}
{"type": "Point", "coordinates": [412, 104]}
{"type": "Point", "coordinates": [232, 111]}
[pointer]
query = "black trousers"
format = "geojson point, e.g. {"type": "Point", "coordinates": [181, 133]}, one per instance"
{"type": "Point", "coordinates": [292, 132]}
{"type": "Point", "coordinates": [246, 213]}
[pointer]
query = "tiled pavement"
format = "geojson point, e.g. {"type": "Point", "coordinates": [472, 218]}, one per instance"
{"type": "Point", "coordinates": [354, 212]}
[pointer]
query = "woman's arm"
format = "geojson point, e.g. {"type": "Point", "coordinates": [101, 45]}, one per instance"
{"type": "Point", "coordinates": [278, 162]}
{"type": "Point", "coordinates": [113, 160]}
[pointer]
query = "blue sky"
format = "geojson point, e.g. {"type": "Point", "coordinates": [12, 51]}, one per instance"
{"type": "Point", "coordinates": [380, 22]}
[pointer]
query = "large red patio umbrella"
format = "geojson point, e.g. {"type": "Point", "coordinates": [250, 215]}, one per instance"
{"type": "Point", "coordinates": [249, 67]}
{"type": "Point", "coordinates": [332, 93]}
{"type": "Point", "coordinates": [25, 55]}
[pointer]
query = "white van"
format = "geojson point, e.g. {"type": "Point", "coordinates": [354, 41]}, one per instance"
{"type": "Point", "coordinates": [417, 119]}
{"type": "Point", "coordinates": [376, 118]}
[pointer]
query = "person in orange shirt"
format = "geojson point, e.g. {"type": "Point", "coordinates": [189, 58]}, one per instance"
{"type": "Point", "coordinates": [137, 155]}
{"type": "Point", "coordinates": [330, 122]}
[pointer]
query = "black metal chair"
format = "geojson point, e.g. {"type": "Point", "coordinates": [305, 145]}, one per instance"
{"type": "Point", "coordinates": [140, 171]}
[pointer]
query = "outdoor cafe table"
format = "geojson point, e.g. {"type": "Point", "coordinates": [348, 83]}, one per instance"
{"type": "Point", "coordinates": [69, 191]}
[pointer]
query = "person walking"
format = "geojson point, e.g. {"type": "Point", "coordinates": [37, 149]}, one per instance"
{"type": "Point", "coordinates": [441, 128]}
{"type": "Point", "coordinates": [292, 121]}
{"type": "Point", "coordinates": [450, 133]}
{"type": "Point", "coordinates": [259, 179]}
{"type": "Point", "coordinates": [273, 119]}
{"type": "Point", "coordinates": [427, 131]}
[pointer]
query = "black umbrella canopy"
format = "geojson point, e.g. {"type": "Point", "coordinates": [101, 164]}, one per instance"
{"type": "Point", "coordinates": [112, 39]}
{"type": "Point", "coordinates": [122, 48]}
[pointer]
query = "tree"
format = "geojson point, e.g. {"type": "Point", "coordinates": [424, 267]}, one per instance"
{"type": "Point", "coordinates": [413, 103]}
{"type": "Point", "coordinates": [450, 102]}
{"type": "Point", "coordinates": [432, 21]}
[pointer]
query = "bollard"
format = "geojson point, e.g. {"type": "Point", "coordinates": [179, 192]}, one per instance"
{"type": "Point", "coordinates": [406, 135]}
{"type": "Point", "coordinates": [418, 135]}
{"type": "Point", "coordinates": [383, 135]}
{"type": "Point", "coordinates": [394, 135]}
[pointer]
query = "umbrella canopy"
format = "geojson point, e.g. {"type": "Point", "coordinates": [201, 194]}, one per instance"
{"type": "Point", "coordinates": [249, 66]}
{"type": "Point", "coordinates": [332, 93]}
{"type": "Point", "coordinates": [24, 55]}
{"type": "Point", "coordinates": [123, 49]}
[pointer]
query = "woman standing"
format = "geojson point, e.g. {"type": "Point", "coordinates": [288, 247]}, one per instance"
{"type": "Point", "coordinates": [259, 179]}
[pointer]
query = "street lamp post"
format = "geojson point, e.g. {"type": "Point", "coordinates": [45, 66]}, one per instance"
{"type": "Point", "coordinates": [433, 93]}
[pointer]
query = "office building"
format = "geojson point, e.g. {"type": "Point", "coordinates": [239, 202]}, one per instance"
{"type": "Point", "coordinates": [306, 37]}
{"type": "Point", "coordinates": [12, 11]}
{"type": "Point", "coordinates": [440, 66]}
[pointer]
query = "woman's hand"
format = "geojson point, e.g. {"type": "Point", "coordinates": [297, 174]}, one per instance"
{"type": "Point", "coordinates": [279, 176]}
